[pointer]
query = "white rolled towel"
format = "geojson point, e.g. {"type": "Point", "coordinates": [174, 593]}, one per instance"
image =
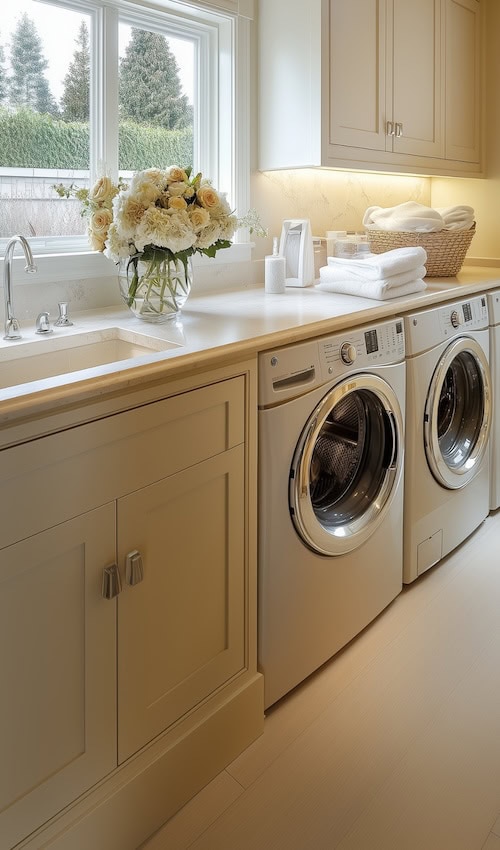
{"type": "Point", "coordinates": [374, 289]}
{"type": "Point", "coordinates": [460, 217]}
{"type": "Point", "coordinates": [380, 266]}
{"type": "Point", "coordinates": [408, 216]}
{"type": "Point", "coordinates": [333, 273]}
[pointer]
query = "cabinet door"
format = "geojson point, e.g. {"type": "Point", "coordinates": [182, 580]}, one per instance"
{"type": "Point", "coordinates": [57, 670]}
{"type": "Point", "coordinates": [463, 80]}
{"type": "Point", "coordinates": [357, 95]}
{"type": "Point", "coordinates": [415, 79]}
{"type": "Point", "coordinates": [180, 629]}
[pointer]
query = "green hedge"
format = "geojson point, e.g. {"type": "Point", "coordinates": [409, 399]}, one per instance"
{"type": "Point", "coordinates": [146, 147]}
{"type": "Point", "coordinates": [32, 140]}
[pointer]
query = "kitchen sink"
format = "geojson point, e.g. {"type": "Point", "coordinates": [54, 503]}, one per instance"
{"type": "Point", "coordinates": [24, 362]}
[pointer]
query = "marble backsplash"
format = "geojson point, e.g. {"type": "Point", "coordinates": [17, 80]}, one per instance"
{"type": "Point", "coordinates": [332, 200]}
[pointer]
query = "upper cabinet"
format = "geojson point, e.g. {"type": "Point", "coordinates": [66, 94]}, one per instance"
{"type": "Point", "coordinates": [379, 84]}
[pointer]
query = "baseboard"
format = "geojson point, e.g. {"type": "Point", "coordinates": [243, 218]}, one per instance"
{"type": "Point", "coordinates": [136, 799]}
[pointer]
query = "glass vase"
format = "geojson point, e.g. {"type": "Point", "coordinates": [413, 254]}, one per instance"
{"type": "Point", "coordinates": [157, 288]}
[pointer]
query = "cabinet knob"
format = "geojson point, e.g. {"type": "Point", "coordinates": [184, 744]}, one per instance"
{"type": "Point", "coordinates": [111, 582]}
{"type": "Point", "coordinates": [134, 570]}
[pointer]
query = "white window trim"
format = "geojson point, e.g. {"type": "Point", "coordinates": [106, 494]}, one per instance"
{"type": "Point", "coordinates": [69, 258]}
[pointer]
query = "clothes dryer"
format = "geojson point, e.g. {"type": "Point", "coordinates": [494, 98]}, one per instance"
{"type": "Point", "coordinates": [331, 448]}
{"type": "Point", "coordinates": [448, 420]}
{"type": "Point", "coordinates": [494, 317]}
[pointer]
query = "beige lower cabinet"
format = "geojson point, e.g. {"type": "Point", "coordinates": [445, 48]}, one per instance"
{"type": "Point", "coordinates": [181, 626]}
{"type": "Point", "coordinates": [57, 670]}
{"type": "Point", "coordinates": [127, 627]}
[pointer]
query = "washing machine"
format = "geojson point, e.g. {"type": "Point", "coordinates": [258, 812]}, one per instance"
{"type": "Point", "coordinates": [448, 420]}
{"type": "Point", "coordinates": [494, 317]}
{"type": "Point", "coordinates": [331, 449]}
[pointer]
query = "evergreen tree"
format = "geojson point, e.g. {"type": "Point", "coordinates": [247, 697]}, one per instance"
{"type": "Point", "coordinates": [3, 76]}
{"type": "Point", "coordinates": [28, 85]}
{"type": "Point", "coordinates": [75, 97]}
{"type": "Point", "coordinates": [150, 89]}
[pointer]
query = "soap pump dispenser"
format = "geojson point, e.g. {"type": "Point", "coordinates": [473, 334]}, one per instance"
{"type": "Point", "coordinates": [274, 271]}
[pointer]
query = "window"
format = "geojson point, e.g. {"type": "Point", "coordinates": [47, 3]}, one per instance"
{"type": "Point", "coordinates": [127, 87]}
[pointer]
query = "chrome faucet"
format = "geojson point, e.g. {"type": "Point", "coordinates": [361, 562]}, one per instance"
{"type": "Point", "coordinates": [11, 323]}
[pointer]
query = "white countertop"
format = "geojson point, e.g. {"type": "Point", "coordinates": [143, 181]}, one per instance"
{"type": "Point", "coordinates": [215, 329]}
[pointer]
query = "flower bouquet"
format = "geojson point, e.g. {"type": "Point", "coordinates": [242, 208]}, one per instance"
{"type": "Point", "coordinates": [151, 228]}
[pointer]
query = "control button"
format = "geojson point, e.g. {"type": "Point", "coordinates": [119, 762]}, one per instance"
{"type": "Point", "coordinates": [456, 319]}
{"type": "Point", "coordinates": [348, 353]}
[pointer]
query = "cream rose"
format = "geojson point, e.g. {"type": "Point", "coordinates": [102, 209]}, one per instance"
{"type": "Point", "coordinates": [208, 197]}
{"type": "Point", "coordinates": [176, 204]}
{"type": "Point", "coordinates": [175, 190]}
{"type": "Point", "coordinates": [176, 175]}
{"type": "Point", "coordinates": [198, 217]}
{"type": "Point", "coordinates": [103, 190]}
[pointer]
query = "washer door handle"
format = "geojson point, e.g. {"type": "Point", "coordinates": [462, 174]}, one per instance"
{"type": "Point", "coordinates": [394, 434]}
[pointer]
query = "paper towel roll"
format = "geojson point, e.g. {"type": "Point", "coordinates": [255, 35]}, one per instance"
{"type": "Point", "coordinates": [274, 274]}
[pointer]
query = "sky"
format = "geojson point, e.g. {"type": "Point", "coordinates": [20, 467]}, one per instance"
{"type": "Point", "coordinates": [58, 49]}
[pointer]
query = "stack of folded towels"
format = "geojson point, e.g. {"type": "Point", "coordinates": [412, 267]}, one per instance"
{"type": "Point", "coordinates": [418, 218]}
{"type": "Point", "coordinates": [379, 276]}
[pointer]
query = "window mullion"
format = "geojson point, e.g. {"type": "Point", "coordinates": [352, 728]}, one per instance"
{"type": "Point", "coordinates": [104, 142]}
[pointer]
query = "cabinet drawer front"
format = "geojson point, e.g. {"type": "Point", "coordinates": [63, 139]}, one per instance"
{"type": "Point", "coordinates": [50, 480]}
{"type": "Point", "coordinates": [181, 628]}
{"type": "Point", "coordinates": [57, 670]}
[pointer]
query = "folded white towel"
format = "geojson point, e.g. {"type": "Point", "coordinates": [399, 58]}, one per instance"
{"type": "Point", "coordinates": [408, 216]}
{"type": "Point", "coordinates": [373, 289]}
{"type": "Point", "coordinates": [460, 217]}
{"type": "Point", "coordinates": [332, 273]}
{"type": "Point", "coordinates": [380, 266]}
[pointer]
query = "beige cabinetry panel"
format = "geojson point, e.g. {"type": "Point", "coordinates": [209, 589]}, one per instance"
{"type": "Point", "coordinates": [88, 681]}
{"type": "Point", "coordinates": [463, 80]}
{"type": "Point", "coordinates": [180, 629]}
{"type": "Point", "coordinates": [378, 84]}
{"type": "Point", "coordinates": [57, 670]}
{"type": "Point", "coordinates": [357, 74]}
{"type": "Point", "coordinates": [391, 98]}
{"type": "Point", "coordinates": [415, 78]}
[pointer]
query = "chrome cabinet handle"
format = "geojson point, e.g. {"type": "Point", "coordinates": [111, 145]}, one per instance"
{"type": "Point", "coordinates": [399, 130]}
{"type": "Point", "coordinates": [111, 582]}
{"type": "Point", "coordinates": [134, 570]}
{"type": "Point", "coordinates": [390, 128]}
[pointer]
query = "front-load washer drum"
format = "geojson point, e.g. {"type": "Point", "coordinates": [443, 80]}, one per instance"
{"type": "Point", "coordinates": [346, 465]}
{"type": "Point", "coordinates": [457, 415]}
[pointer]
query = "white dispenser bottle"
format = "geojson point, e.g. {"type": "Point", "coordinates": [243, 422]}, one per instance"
{"type": "Point", "coordinates": [274, 271]}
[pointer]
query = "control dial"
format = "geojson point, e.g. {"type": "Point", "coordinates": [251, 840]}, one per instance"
{"type": "Point", "coordinates": [456, 319]}
{"type": "Point", "coordinates": [348, 353]}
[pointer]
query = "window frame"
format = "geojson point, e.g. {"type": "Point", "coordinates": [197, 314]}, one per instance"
{"type": "Point", "coordinates": [222, 34]}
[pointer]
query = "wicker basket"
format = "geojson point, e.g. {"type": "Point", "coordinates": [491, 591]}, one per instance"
{"type": "Point", "coordinates": [446, 249]}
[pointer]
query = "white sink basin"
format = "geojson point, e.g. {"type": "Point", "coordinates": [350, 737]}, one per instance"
{"type": "Point", "coordinates": [48, 357]}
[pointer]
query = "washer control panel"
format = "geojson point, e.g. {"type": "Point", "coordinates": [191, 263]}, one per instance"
{"type": "Point", "coordinates": [362, 347]}
{"type": "Point", "coordinates": [293, 370]}
{"type": "Point", "coordinates": [470, 315]}
{"type": "Point", "coordinates": [428, 328]}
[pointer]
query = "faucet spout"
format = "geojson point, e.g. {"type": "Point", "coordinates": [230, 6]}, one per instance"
{"type": "Point", "coordinates": [11, 323]}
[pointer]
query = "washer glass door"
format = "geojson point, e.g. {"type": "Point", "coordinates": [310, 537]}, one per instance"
{"type": "Point", "coordinates": [346, 465]}
{"type": "Point", "coordinates": [457, 415]}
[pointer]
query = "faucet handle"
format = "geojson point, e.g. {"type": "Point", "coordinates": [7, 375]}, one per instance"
{"type": "Point", "coordinates": [63, 318]}
{"type": "Point", "coordinates": [12, 328]}
{"type": "Point", "coordinates": [43, 324]}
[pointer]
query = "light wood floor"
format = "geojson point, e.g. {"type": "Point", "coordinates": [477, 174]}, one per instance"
{"type": "Point", "coordinates": [393, 745]}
